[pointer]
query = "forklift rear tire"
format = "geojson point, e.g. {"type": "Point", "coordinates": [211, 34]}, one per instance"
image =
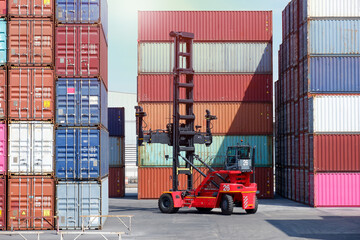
{"type": "Point", "coordinates": [204, 210]}
{"type": "Point", "coordinates": [166, 204]}
{"type": "Point", "coordinates": [227, 205]}
{"type": "Point", "coordinates": [252, 211]}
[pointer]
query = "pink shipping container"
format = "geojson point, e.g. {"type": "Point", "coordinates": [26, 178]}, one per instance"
{"type": "Point", "coordinates": [3, 149]}
{"type": "Point", "coordinates": [81, 51]}
{"type": "Point", "coordinates": [337, 190]}
{"type": "Point", "coordinates": [209, 88]}
{"type": "Point", "coordinates": [207, 25]}
{"type": "Point", "coordinates": [3, 8]}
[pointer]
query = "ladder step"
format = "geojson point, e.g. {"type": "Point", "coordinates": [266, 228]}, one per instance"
{"type": "Point", "coordinates": [184, 171]}
{"type": "Point", "coordinates": [186, 101]}
{"type": "Point", "coordinates": [186, 85]}
{"type": "Point", "coordinates": [187, 133]}
{"type": "Point", "coordinates": [187, 149]}
{"type": "Point", "coordinates": [185, 70]}
{"type": "Point", "coordinates": [187, 117]}
{"type": "Point", "coordinates": [184, 54]}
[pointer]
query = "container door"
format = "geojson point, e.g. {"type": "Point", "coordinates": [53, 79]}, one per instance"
{"type": "Point", "coordinates": [43, 8]}
{"type": "Point", "coordinates": [105, 198]}
{"type": "Point", "coordinates": [2, 203]}
{"type": "Point", "coordinates": [66, 153]}
{"type": "Point", "coordinates": [66, 11]}
{"type": "Point", "coordinates": [90, 203]}
{"type": "Point", "coordinates": [89, 46]}
{"type": "Point", "coordinates": [42, 145]}
{"type": "Point", "coordinates": [19, 42]}
{"type": "Point", "coordinates": [42, 42]}
{"type": "Point", "coordinates": [3, 93]}
{"type": "Point", "coordinates": [3, 43]}
{"type": "Point", "coordinates": [43, 94]}
{"type": "Point", "coordinates": [19, 148]}
{"type": "Point", "coordinates": [66, 102]}
{"type": "Point", "coordinates": [89, 11]}
{"type": "Point", "coordinates": [89, 150]}
{"type": "Point", "coordinates": [3, 151]}
{"type": "Point", "coordinates": [67, 205]}
{"type": "Point", "coordinates": [65, 49]}
{"type": "Point", "coordinates": [43, 203]}
{"type": "Point", "coordinates": [89, 102]}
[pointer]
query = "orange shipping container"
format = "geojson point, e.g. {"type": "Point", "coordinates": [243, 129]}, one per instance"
{"type": "Point", "coordinates": [3, 93]}
{"type": "Point", "coordinates": [30, 203]}
{"type": "Point", "coordinates": [31, 94]}
{"type": "Point", "coordinates": [232, 118]}
{"type": "Point", "coordinates": [30, 42]}
{"type": "Point", "coordinates": [30, 8]}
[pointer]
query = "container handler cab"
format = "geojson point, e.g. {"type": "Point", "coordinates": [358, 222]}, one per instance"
{"type": "Point", "coordinates": [224, 188]}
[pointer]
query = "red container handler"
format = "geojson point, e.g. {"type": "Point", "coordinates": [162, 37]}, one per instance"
{"type": "Point", "coordinates": [31, 203]}
{"type": "Point", "coordinates": [211, 26]}
{"type": "Point", "coordinates": [81, 52]}
{"type": "Point", "coordinates": [116, 182]}
{"type": "Point", "coordinates": [208, 88]}
{"type": "Point", "coordinates": [2, 202]}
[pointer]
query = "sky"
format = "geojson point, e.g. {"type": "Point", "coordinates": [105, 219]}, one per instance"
{"type": "Point", "coordinates": [123, 31]}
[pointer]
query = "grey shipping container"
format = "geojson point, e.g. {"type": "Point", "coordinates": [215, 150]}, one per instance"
{"type": "Point", "coordinates": [117, 152]}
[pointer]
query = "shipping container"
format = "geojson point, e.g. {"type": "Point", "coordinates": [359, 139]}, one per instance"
{"type": "Point", "coordinates": [213, 57]}
{"type": "Point", "coordinates": [3, 8]}
{"type": "Point", "coordinates": [152, 182]}
{"type": "Point", "coordinates": [153, 155]}
{"type": "Point", "coordinates": [2, 203]}
{"type": "Point", "coordinates": [31, 94]}
{"type": "Point", "coordinates": [27, 8]}
{"type": "Point", "coordinates": [81, 153]}
{"type": "Point", "coordinates": [336, 153]}
{"type": "Point", "coordinates": [31, 148]}
{"type": "Point", "coordinates": [81, 102]}
{"type": "Point", "coordinates": [208, 88]}
{"type": "Point", "coordinates": [329, 9]}
{"type": "Point", "coordinates": [116, 118]}
{"type": "Point", "coordinates": [31, 42]}
{"type": "Point", "coordinates": [117, 152]}
{"type": "Point", "coordinates": [232, 118]}
{"type": "Point", "coordinates": [3, 41]}
{"type": "Point", "coordinates": [80, 11]}
{"type": "Point", "coordinates": [212, 26]}
{"type": "Point", "coordinates": [81, 51]}
{"type": "Point", "coordinates": [3, 94]}
{"type": "Point", "coordinates": [3, 149]}
{"type": "Point", "coordinates": [31, 203]}
{"type": "Point", "coordinates": [334, 114]}
{"type": "Point", "coordinates": [75, 199]}
{"type": "Point", "coordinates": [116, 182]}
{"type": "Point", "coordinates": [337, 190]}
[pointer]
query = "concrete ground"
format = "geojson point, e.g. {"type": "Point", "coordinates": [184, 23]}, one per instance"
{"type": "Point", "coordinates": [276, 219]}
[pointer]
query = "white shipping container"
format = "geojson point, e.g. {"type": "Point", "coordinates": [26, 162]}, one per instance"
{"type": "Point", "coordinates": [331, 8]}
{"type": "Point", "coordinates": [334, 114]}
{"type": "Point", "coordinates": [208, 58]}
{"type": "Point", "coordinates": [31, 148]}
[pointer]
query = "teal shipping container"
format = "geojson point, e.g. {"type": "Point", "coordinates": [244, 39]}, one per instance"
{"type": "Point", "coordinates": [153, 155]}
{"type": "Point", "coordinates": [3, 37]}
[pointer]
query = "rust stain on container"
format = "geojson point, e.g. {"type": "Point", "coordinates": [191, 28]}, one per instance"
{"type": "Point", "coordinates": [34, 8]}
{"type": "Point", "coordinates": [208, 88]}
{"type": "Point", "coordinates": [232, 118]}
{"type": "Point", "coordinates": [3, 93]}
{"type": "Point", "coordinates": [31, 94]}
{"type": "Point", "coordinates": [30, 42]}
{"type": "Point", "coordinates": [30, 203]}
{"type": "Point", "coordinates": [116, 182]}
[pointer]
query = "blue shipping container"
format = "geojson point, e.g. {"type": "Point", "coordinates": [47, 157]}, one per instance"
{"type": "Point", "coordinates": [75, 199]}
{"type": "Point", "coordinates": [153, 155]}
{"type": "Point", "coordinates": [116, 122]}
{"type": "Point", "coordinates": [117, 152]}
{"type": "Point", "coordinates": [3, 37]}
{"type": "Point", "coordinates": [334, 74]}
{"type": "Point", "coordinates": [82, 153]}
{"type": "Point", "coordinates": [81, 102]}
{"type": "Point", "coordinates": [83, 11]}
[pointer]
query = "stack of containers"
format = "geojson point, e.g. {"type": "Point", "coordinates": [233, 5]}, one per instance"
{"type": "Point", "coordinates": [3, 115]}
{"type": "Point", "coordinates": [232, 60]}
{"type": "Point", "coordinates": [117, 152]}
{"type": "Point", "coordinates": [31, 94]}
{"type": "Point", "coordinates": [82, 138]}
{"type": "Point", "coordinates": [318, 103]}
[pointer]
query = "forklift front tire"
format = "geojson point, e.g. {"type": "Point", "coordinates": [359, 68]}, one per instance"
{"type": "Point", "coordinates": [166, 204]}
{"type": "Point", "coordinates": [227, 204]}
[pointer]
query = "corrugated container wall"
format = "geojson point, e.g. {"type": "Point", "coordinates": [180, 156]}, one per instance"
{"type": "Point", "coordinates": [3, 94]}
{"type": "Point", "coordinates": [3, 8]}
{"type": "Point", "coordinates": [27, 9]}
{"type": "Point", "coordinates": [117, 152]}
{"type": "Point", "coordinates": [80, 11]}
{"type": "Point", "coordinates": [75, 199]}
{"type": "Point", "coordinates": [116, 182]}
{"type": "Point", "coordinates": [31, 203]}
{"type": "Point", "coordinates": [3, 148]}
{"type": "Point", "coordinates": [2, 203]}
{"type": "Point", "coordinates": [81, 102]}
{"type": "Point", "coordinates": [212, 26]}
{"type": "Point", "coordinates": [81, 153]}
{"type": "Point", "coordinates": [116, 122]}
{"type": "Point", "coordinates": [3, 41]}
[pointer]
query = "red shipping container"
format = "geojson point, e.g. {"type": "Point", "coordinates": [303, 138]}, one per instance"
{"type": "Point", "coordinates": [153, 181]}
{"type": "Point", "coordinates": [3, 8]}
{"type": "Point", "coordinates": [81, 51]}
{"type": "Point", "coordinates": [3, 93]}
{"type": "Point", "coordinates": [2, 203]}
{"type": "Point", "coordinates": [31, 203]}
{"type": "Point", "coordinates": [31, 8]}
{"type": "Point", "coordinates": [31, 94]}
{"type": "Point", "coordinates": [117, 182]}
{"type": "Point", "coordinates": [208, 88]}
{"type": "Point", "coordinates": [336, 153]}
{"type": "Point", "coordinates": [207, 25]}
{"type": "Point", "coordinates": [30, 42]}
